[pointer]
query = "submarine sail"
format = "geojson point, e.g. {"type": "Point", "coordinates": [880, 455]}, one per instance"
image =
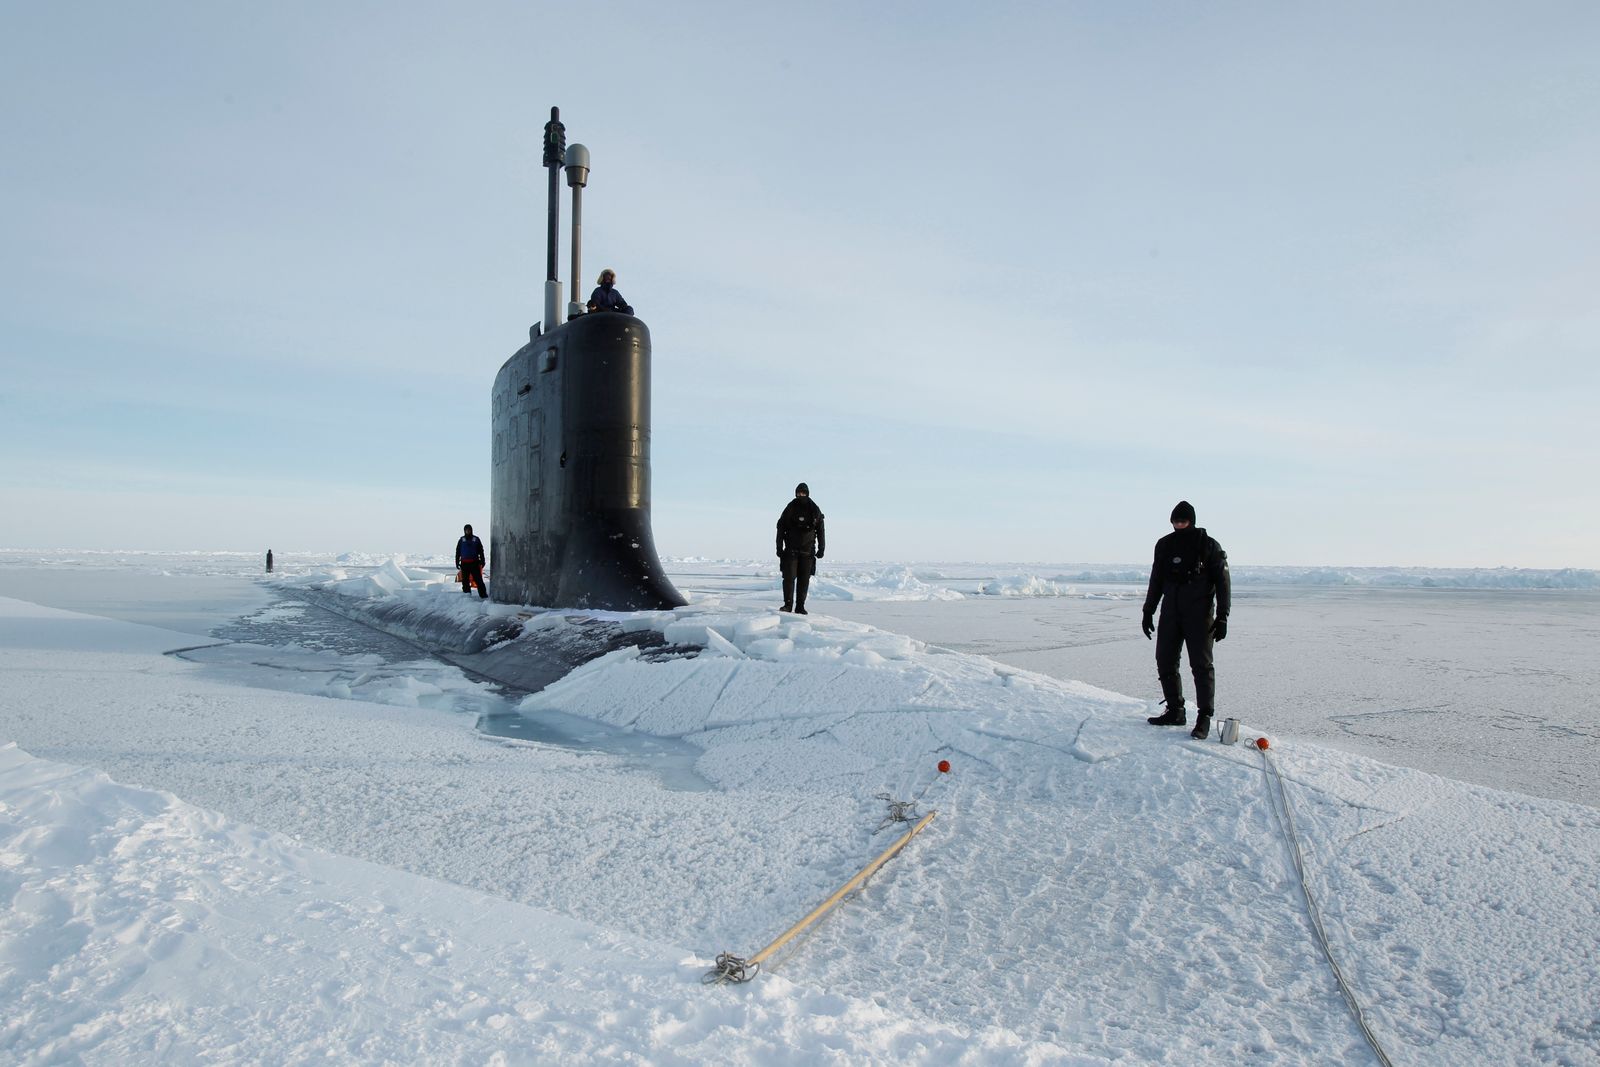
{"type": "Point", "coordinates": [570, 477]}
{"type": "Point", "coordinates": [570, 489]}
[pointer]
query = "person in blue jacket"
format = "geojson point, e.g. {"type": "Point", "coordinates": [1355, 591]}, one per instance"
{"type": "Point", "coordinates": [605, 296]}
{"type": "Point", "coordinates": [470, 559]}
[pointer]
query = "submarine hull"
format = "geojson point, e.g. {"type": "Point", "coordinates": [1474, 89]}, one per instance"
{"type": "Point", "coordinates": [570, 481]}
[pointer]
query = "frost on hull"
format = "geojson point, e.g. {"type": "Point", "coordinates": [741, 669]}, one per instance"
{"type": "Point", "coordinates": [570, 485]}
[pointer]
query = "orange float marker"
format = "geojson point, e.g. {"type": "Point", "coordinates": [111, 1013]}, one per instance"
{"type": "Point", "coordinates": [944, 766]}
{"type": "Point", "coordinates": [1261, 743]}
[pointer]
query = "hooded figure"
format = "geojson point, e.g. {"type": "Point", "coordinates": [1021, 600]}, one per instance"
{"type": "Point", "coordinates": [605, 296]}
{"type": "Point", "coordinates": [1189, 580]}
{"type": "Point", "coordinates": [801, 541]}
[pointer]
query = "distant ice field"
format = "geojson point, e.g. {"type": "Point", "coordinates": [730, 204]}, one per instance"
{"type": "Point", "coordinates": [1496, 683]}
{"type": "Point", "coordinates": [1493, 680]}
{"type": "Point", "coordinates": [1498, 688]}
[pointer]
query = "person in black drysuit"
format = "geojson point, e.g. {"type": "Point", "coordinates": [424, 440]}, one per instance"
{"type": "Point", "coordinates": [605, 296]}
{"type": "Point", "coordinates": [470, 560]}
{"type": "Point", "coordinates": [801, 540]}
{"type": "Point", "coordinates": [1189, 573]}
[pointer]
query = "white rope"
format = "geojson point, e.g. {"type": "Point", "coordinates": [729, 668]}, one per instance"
{"type": "Point", "coordinates": [1278, 798]}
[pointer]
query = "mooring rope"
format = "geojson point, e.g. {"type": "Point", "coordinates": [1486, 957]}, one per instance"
{"type": "Point", "coordinates": [1278, 799]}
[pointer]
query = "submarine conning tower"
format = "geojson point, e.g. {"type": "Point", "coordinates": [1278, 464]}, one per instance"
{"type": "Point", "coordinates": [570, 481]}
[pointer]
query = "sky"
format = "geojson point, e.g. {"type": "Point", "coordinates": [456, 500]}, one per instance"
{"type": "Point", "coordinates": [1000, 282]}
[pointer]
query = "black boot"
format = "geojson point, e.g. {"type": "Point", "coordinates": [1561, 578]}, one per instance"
{"type": "Point", "coordinates": [1202, 726]}
{"type": "Point", "coordinates": [1173, 716]}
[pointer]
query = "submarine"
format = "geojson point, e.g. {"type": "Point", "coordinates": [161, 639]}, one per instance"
{"type": "Point", "coordinates": [569, 502]}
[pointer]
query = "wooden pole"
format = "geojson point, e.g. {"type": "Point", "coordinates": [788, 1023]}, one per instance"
{"type": "Point", "coordinates": [866, 872]}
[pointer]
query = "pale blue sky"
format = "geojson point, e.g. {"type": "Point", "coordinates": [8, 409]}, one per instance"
{"type": "Point", "coordinates": [1001, 282]}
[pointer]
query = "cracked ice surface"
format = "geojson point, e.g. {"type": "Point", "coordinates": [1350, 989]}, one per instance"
{"type": "Point", "coordinates": [270, 875]}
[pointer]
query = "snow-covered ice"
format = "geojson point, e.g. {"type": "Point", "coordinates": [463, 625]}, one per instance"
{"type": "Point", "coordinates": [205, 862]}
{"type": "Point", "coordinates": [1496, 687]}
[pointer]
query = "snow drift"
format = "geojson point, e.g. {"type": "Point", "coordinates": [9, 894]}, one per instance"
{"type": "Point", "coordinates": [382, 883]}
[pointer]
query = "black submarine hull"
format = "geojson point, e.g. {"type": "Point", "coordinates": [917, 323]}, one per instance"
{"type": "Point", "coordinates": [570, 481]}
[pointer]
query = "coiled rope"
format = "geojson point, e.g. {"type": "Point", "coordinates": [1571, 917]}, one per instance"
{"type": "Point", "coordinates": [906, 810]}
{"type": "Point", "coordinates": [1278, 798]}
{"type": "Point", "coordinates": [899, 811]}
{"type": "Point", "coordinates": [730, 968]}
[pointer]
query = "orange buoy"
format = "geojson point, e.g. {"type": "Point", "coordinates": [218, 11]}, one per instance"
{"type": "Point", "coordinates": [1261, 743]}
{"type": "Point", "coordinates": [944, 766]}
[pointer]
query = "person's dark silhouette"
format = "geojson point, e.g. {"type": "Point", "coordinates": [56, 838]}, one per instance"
{"type": "Point", "coordinates": [1189, 574]}
{"type": "Point", "coordinates": [801, 541]}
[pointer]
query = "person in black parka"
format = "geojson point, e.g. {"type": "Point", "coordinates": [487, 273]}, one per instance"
{"type": "Point", "coordinates": [1189, 575]}
{"type": "Point", "coordinates": [801, 540]}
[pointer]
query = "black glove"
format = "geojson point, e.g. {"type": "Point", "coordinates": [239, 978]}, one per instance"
{"type": "Point", "coordinates": [1219, 629]}
{"type": "Point", "coordinates": [819, 555]}
{"type": "Point", "coordinates": [1149, 623]}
